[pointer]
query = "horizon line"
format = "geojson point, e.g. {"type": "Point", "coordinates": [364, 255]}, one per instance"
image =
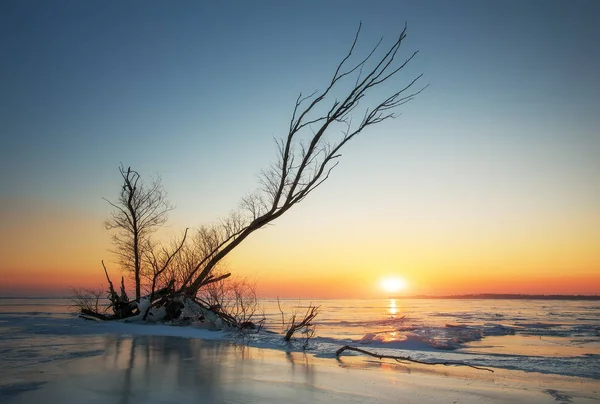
{"type": "Point", "coordinates": [487, 296]}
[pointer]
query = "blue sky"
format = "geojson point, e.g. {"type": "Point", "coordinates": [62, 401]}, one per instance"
{"type": "Point", "coordinates": [196, 91]}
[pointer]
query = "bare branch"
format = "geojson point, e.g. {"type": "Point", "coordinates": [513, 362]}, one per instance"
{"type": "Point", "coordinates": [305, 324]}
{"type": "Point", "coordinates": [306, 157]}
{"type": "Point", "coordinates": [406, 358]}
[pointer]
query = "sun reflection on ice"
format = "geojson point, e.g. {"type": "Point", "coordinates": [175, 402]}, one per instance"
{"type": "Point", "coordinates": [393, 308]}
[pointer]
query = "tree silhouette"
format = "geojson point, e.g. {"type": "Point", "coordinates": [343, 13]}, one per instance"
{"type": "Point", "coordinates": [138, 212]}
{"type": "Point", "coordinates": [307, 155]}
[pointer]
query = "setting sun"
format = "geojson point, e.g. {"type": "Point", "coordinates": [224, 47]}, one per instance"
{"type": "Point", "coordinates": [392, 284]}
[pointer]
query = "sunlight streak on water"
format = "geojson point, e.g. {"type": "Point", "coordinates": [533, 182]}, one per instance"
{"type": "Point", "coordinates": [393, 308]}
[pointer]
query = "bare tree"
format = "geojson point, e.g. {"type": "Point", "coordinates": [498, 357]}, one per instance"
{"type": "Point", "coordinates": [138, 212]}
{"type": "Point", "coordinates": [307, 156]}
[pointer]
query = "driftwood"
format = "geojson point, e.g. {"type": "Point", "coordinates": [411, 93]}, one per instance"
{"type": "Point", "coordinates": [92, 315]}
{"type": "Point", "coordinates": [124, 309]}
{"type": "Point", "coordinates": [166, 297]}
{"type": "Point", "coordinates": [406, 358]}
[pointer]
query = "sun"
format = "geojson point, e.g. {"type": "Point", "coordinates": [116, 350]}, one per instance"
{"type": "Point", "coordinates": [392, 284]}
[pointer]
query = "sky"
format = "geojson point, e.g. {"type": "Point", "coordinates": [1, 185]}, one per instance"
{"type": "Point", "coordinates": [488, 182]}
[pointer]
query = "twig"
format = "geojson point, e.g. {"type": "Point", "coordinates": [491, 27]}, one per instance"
{"type": "Point", "coordinates": [281, 311]}
{"type": "Point", "coordinates": [406, 358]}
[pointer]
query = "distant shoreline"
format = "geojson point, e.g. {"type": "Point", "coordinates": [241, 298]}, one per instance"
{"type": "Point", "coordinates": [475, 296]}
{"type": "Point", "coordinates": [503, 296]}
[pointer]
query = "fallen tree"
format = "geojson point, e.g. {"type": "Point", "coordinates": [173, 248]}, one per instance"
{"type": "Point", "coordinates": [306, 156]}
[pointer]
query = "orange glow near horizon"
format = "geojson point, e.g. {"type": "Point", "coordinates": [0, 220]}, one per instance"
{"type": "Point", "coordinates": [52, 251]}
{"type": "Point", "coordinates": [349, 286]}
{"type": "Point", "coordinates": [290, 274]}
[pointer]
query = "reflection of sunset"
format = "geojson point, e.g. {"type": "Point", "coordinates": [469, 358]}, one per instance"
{"type": "Point", "coordinates": [393, 309]}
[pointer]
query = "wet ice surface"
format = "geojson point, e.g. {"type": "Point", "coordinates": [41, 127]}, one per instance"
{"type": "Point", "coordinates": [27, 340]}
{"type": "Point", "coordinates": [163, 369]}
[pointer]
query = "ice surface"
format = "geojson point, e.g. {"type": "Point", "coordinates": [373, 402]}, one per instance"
{"type": "Point", "coordinates": [511, 336]}
{"type": "Point", "coordinates": [155, 369]}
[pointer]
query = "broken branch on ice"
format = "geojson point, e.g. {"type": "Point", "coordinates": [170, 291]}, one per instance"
{"type": "Point", "coordinates": [406, 358]}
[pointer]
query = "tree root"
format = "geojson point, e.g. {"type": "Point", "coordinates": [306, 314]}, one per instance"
{"type": "Point", "coordinates": [406, 358]}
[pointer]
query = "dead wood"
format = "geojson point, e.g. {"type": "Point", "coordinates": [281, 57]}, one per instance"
{"type": "Point", "coordinates": [406, 358]}
{"type": "Point", "coordinates": [86, 313]}
{"type": "Point", "coordinates": [121, 305]}
{"type": "Point", "coordinates": [305, 323]}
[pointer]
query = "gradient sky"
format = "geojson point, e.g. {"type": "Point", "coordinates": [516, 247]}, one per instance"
{"type": "Point", "coordinates": [488, 182]}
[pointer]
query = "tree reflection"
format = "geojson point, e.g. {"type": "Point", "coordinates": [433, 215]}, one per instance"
{"type": "Point", "coordinates": [155, 368]}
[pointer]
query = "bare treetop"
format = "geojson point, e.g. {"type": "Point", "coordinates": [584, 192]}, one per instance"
{"type": "Point", "coordinates": [137, 213]}
{"type": "Point", "coordinates": [301, 167]}
{"type": "Point", "coordinates": [305, 156]}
